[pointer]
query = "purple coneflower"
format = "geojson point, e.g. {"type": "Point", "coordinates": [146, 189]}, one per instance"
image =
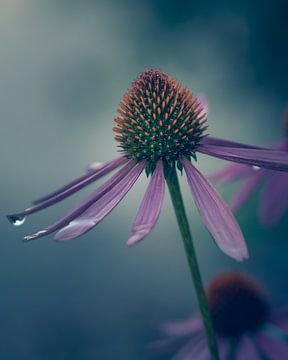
{"type": "Point", "coordinates": [160, 125]}
{"type": "Point", "coordinates": [274, 197]}
{"type": "Point", "coordinates": [160, 128]}
{"type": "Point", "coordinates": [246, 326]}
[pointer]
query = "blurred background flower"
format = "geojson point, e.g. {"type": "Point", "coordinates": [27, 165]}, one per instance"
{"type": "Point", "coordinates": [246, 324]}
{"type": "Point", "coordinates": [64, 66]}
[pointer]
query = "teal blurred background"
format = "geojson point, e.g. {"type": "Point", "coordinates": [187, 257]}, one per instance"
{"type": "Point", "coordinates": [64, 66]}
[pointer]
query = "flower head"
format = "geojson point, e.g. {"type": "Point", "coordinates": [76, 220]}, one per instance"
{"type": "Point", "coordinates": [159, 119]}
{"type": "Point", "coordinates": [161, 125]}
{"type": "Point", "coordinates": [242, 317]}
{"type": "Point", "coordinates": [275, 190]}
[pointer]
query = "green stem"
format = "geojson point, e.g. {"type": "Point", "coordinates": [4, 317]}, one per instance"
{"type": "Point", "coordinates": [177, 200]}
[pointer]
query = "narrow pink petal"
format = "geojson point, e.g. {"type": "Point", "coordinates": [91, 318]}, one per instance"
{"type": "Point", "coordinates": [275, 199]}
{"type": "Point", "coordinates": [211, 140]}
{"type": "Point", "coordinates": [264, 158]}
{"type": "Point", "coordinates": [101, 170]}
{"type": "Point", "coordinates": [150, 208]}
{"type": "Point", "coordinates": [231, 172]}
{"type": "Point", "coordinates": [69, 189]}
{"type": "Point", "coordinates": [184, 327]}
{"type": "Point", "coordinates": [86, 203]}
{"type": "Point", "coordinates": [249, 185]}
{"type": "Point", "coordinates": [275, 349]}
{"type": "Point", "coordinates": [215, 214]}
{"type": "Point", "coordinates": [247, 350]}
{"type": "Point", "coordinates": [101, 208]}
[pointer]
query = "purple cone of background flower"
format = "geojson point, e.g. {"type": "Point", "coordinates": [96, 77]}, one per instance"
{"type": "Point", "coordinates": [274, 196]}
{"type": "Point", "coordinates": [215, 214]}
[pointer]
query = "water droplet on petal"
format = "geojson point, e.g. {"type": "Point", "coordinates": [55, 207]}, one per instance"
{"type": "Point", "coordinates": [16, 220]}
{"type": "Point", "coordinates": [256, 168]}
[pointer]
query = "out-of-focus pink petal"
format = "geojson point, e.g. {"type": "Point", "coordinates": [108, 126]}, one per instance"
{"type": "Point", "coordinates": [241, 195]}
{"type": "Point", "coordinates": [101, 208]}
{"type": "Point", "coordinates": [264, 158]}
{"type": "Point", "coordinates": [275, 349]}
{"type": "Point", "coordinates": [279, 318]}
{"type": "Point", "coordinates": [215, 214]}
{"type": "Point", "coordinates": [169, 344]}
{"type": "Point", "coordinates": [246, 350]}
{"type": "Point", "coordinates": [194, 349]}
{"type": "Point", "coordinates": [150, 208]}
{"type": "Point", "coordinates": [184, 327]}
{"type": "Point", "coordinates": [224, 348]}
{"type": "Point", "coordinates": [274, 200]}
{"type": "Point", "coordinates": [231, 172]}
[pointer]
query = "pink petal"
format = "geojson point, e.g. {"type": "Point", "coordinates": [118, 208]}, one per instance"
{"type": "Point", "coordinates": [211, 140]}
{"type": "Point", "coordinates": [247, 350]}
{"type": "Point", "coordinates": [194, 349]}
{"type": "Point", "coordinates": [240, 196]}
{"type": "Point", "coordinates": [275, 349]}
{"type": "Point", "coordinates": [71, 188]}
{"type": "Point", "coordinates": [230, 172]}
{"type": "Point", "coordinates": [150, 208]}
{"type": "Point", "coordinates": [279, 318]}
{"type": "Point", "coordinates": [184, 327]}
{"type": "Point", "coordinates": [99, 210]}
{"type": "Point", "coordinates": [215, 214]}
{"type": "Point", "coordinates": [275, 199]}
{"type": "Point", "coordinates": [223, 347]}
{"type": "Point", "coordinates": [86, 203]}
{"type": "Point", "coordinates": [264, 158]}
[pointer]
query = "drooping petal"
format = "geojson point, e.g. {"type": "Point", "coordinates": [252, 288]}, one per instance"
{"type": "Point", "coordinates": [102, 169]}
{"type": "Point", "coordinates": [264, 158]}
{"type": "Point", "coordinates": [150, 208]}
{"type": "Point", "coordinates": [242, 194]}
{"type": "Point", "coordinates": [230, 172]}
{"type": "Point", "coordinates": [86, 203]}
{"type": "Point", "coordinates": [70, 188]}
{"type": "Point", "coordinates": [246, 350]}
{"type": "Point", "coordinates": [274, 348]}
{"type": "Point", "coordinates": [274, 200]}
{"type": "Point", "coordinates": [215, 214]}
{"type": "Point", "coordinates": [101, 208]}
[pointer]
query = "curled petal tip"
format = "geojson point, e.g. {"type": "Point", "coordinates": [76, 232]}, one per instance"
{"type": "Point", "coordinates": [137, 236]}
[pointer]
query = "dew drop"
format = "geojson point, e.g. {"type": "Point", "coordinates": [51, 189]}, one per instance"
{"type": "Point", "coordinates": [16, 220]}
{"type": "Point", "coordinates": [256, 168]}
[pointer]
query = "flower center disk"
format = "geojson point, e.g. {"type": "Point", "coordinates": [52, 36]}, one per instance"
{"type": "Point", "coordinates": [159, 118]}
{"type": "Point", "coordinates": [237, 305]}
